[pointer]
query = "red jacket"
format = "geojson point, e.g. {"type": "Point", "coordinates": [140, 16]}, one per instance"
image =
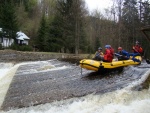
{"type": "Point", "coordinates": [137, 49]}
{"type": "Point", "coordinates": [108, 56]}
{"type": "Point", "coordinates": [112, 52]}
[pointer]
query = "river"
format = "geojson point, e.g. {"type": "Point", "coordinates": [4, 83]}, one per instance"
{"type": "Point", "coordinates": [58, 87]}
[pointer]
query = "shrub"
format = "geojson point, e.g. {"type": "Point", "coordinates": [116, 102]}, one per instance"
{"type": "Point", "coordinates": [21, 47]}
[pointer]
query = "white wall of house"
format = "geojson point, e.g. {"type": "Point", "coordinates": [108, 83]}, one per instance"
{"type": "Point", "coordinates": [25, 42]}
{"type": "Point", "coordinates": [7, 42]}
{"type": "Point", "coordinates": [19, 41]}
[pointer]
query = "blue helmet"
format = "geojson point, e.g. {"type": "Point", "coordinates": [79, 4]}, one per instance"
{"type": "Point", "coordinates": [107, 46]}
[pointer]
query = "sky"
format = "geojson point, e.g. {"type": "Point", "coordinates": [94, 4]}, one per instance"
{"type": "Point", "coordinates": [98, 4]}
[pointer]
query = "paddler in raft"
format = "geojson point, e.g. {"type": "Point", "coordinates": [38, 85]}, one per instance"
{"type": "Point", "coordinates": [99, 54]}
{"type": "Point", "coordinates": [124, 55]}
{"type": "Point", "coordinates": [106, 57]}
{"type": "Point", "coordinates": [137, 48]}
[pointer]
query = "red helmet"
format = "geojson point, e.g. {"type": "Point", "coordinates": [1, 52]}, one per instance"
{"type": "Point", "coordinates": [119, 48]}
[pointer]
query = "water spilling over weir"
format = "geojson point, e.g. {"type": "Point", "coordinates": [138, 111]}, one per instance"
{"type": "Point", "coordinates": [56, 86]}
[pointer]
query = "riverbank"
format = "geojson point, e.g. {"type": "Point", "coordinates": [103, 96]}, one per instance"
{"type": "Point", "coordinates": [19, 56]}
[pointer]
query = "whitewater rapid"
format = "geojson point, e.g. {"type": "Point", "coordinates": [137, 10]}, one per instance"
{"type": "Point", "coordinates": [119, 101]}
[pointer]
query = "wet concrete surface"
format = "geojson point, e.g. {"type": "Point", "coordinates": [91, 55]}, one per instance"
{"type": "Point", "coordinates": [33, 84]}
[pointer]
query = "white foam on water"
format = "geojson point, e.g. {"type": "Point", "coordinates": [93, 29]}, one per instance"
{"type": "Point", "coordinates": [4, 67]}
{"type": "Point", "coordinates": [43, 66]}
{"type": "Point", "coordinates": [137, 82]}
{"type": "Point", "coordinates": [3, 72]}
{"type": "Point", "coordinates": [121, 101]}
{"type": "Point", "coordinates": [6, 80]}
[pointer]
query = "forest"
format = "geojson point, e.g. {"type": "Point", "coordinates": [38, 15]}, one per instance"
{"type": "Point", "coordinates": [67, 26]}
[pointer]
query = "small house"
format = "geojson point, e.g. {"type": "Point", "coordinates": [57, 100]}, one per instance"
{"type": "Point", "coordinates": [6, 42]}
{"type": "Point", "coordinates": [22, 38]}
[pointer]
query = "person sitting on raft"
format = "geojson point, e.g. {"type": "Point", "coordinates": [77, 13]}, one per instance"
{"type": "Point", "coordinates": [99, 54]}
{"type": "Point", "coordinates": [137, 48]}
{"type": "Point", "coordinates": [124, 55]}
{"type": "Point", "coordinates": [107, 57]}
{"type": "Point", "coordinates": [111, 50]}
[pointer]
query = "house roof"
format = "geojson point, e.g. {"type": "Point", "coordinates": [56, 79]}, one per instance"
{"type": "Point", "coordinates": [22, 36]}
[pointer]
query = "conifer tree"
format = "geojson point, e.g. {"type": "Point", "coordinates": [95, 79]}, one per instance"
{"type": "Point", "coordinates": [8, 19]}
{"type": "Point", "coordinates": [42, 33]}
{"type": "Point", "coordinates": [55, 40]}
{"type": "Point", "coordinates": [68, 22]}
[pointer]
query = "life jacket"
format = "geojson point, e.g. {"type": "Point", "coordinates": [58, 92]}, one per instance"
{"type": "Point", "coordinates": [137, 49]}
{"type": "Point", "coordinates": [99, 54]}
{"type": "Point", "coordinates": [124, 55]}
{"type": "Point", "coordinates": [108, 56]}
{"type": "Point", "coordinates": [112, 52]}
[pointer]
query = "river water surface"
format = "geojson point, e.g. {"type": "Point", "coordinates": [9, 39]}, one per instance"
{"type": "Point", "coordinates": [58, 87]}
